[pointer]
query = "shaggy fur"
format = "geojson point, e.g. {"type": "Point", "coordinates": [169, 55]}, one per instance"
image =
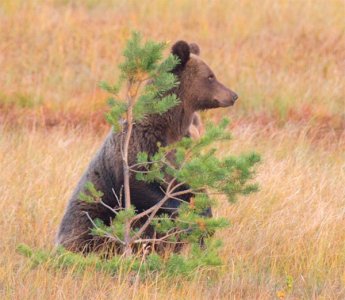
{"type": "Point", "coordinates": [198, 90]}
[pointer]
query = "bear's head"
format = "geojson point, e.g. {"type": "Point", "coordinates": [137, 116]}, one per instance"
{"type": "Point", "coordinates": [199, 88]}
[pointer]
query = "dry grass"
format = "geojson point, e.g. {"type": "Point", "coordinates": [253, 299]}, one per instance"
{"type": "Point", "coordinates": [286, 59]}
{"type": "Point", "coordinates": [293, 227]}
{"type": "Point", "coordinates": [280, 56]}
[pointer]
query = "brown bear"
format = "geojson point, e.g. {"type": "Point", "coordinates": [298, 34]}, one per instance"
{"type": "Point", "coordinates": [198, 90]}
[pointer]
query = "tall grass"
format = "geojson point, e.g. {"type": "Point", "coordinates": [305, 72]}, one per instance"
{"type": "Point", "coordinates": [279, 56]}
{"type": "Point", "coordinates": [286, 60]}
{"type": "Point", "coordinates": [293, 227]}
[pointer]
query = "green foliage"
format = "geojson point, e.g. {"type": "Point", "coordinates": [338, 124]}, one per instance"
{"type": "Point", "coordinates": [143, 64]}
{"type": "Point", "coordinates": [117, 227]}
{"type": "Point", "coordinates": [124, 215]}
{"type": "Point", "coordinates": [148, 104]}
{"type": "Point", "coordinates": [173, 266]}
{"type": "Point", "coordinates": [193, 162]}
{"type": "Point", "coordinates": [140, 58]}
{"type": "Point", "coordinates": [199, 166]}
{"type": "Point", "coordinates": [196, 163]}
{"type": "Point", "coordinates": [207, 257]}
{"type": "Point", "coordinates": [92, 195]}
{"type": "Point", "coordinates": [187, 164]}
{"type": "Point", "coordinates": [163, 223]}
{"type": "Point", "coordinates": [112, 89]}
{"type": "Point", "coordinates": [115, 114]}
{"type": "Point", "coordinates": [37, 256]}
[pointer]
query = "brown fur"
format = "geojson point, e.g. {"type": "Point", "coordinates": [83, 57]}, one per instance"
{"type": "Point", "coordinates": [198, 90]}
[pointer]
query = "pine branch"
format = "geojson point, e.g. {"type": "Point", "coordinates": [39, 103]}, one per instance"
{"type": "Point", "coordinates": [112, 237]}
{"type": "Point", "coordinates": [115, 211]}
{"type": "Point", "coordinates": [162, 239]}
{"type": "Point", "coordinates": [153, 210]}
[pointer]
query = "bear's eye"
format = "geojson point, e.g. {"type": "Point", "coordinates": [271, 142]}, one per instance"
{"type": "Point", "coordinates": [211, 77]}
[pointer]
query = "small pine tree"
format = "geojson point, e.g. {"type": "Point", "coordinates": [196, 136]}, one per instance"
{"type": "Point", "coordinates": [141, 64]}
{"type": "Point", "coordinates": [192, 163]}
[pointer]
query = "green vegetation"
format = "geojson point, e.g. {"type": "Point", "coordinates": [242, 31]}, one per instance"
{"type": "Point", "coordinates": [187, 167]}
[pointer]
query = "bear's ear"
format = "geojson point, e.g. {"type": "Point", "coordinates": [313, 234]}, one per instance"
{"type": "Point", "coordinates": [182, 51]}
{"type": "Point", "coordinates": [194, 48]}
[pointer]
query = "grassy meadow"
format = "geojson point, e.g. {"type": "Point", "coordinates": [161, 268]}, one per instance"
{"type": "Point", "coordinates": [285, 59]}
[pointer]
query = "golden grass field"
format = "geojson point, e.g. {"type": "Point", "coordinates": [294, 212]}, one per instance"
{"type": "Point", "coordinates": [285, 59]}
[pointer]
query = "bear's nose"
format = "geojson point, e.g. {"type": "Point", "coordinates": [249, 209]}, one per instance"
{"type": "Point", "coordinates": [234, 97]}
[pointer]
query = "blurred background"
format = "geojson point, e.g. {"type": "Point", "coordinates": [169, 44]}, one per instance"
{"type": "Point", "coordinates": [286, 61]}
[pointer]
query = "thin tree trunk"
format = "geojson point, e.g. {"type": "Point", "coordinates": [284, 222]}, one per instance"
{"type": "Point", "coordinates": [126, 169]}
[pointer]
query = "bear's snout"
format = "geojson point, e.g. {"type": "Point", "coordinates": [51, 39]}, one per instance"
{"type": "Point", "coordinates": [226, 98]}
{"type": "Point", "coordinates": [233, 97]}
